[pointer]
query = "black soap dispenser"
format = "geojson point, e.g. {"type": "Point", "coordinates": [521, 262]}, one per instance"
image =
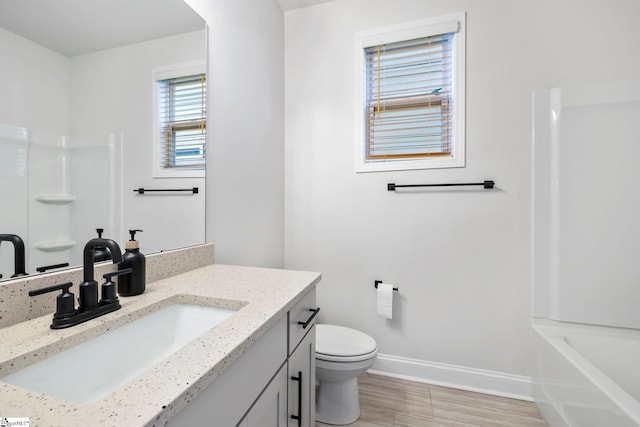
{"type": "Point", "coordinates": [133, 283]}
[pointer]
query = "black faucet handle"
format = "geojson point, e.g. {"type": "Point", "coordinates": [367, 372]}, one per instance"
{"type": "Point", "coordinates": [109, 295]}
{"type": "Point", "coordinates": [108, 276]}
{"type": "Point", "coordinates": [64, 287]}
{"type": "Point", "coordinates": [65, 304]}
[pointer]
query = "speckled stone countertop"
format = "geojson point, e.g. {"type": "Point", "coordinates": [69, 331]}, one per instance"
{"type": "Point", "coordinates": [154, 397]}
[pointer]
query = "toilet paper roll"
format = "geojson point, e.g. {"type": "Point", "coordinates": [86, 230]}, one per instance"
{"type": "Point", "coordinates": [385, 300]}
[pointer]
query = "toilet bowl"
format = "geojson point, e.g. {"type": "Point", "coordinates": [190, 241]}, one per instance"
{"type": "Point", "coordinates": [342, 355]}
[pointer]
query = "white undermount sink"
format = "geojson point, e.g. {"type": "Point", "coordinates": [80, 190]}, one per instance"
{"type": "Point", "coordinates": [92, 370]}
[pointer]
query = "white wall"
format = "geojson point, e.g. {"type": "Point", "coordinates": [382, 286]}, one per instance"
{"type": "Point", "coordinates": [34, 85]}
{"type": "Point", "coordinates": [245, 162]}
{"type": "Point", "coordinates": [111, 97]}
{"type": "Point", "coordinates": [460, 258]}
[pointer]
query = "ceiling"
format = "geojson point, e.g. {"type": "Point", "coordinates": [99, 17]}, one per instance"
{"type": "Point", "coordinates": [297, 4]}
{"type": "Point", "coordinates": [76, 27]}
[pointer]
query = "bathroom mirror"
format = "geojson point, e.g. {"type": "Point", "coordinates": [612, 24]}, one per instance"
{"type": "Point", "coordinates": [77, 126]}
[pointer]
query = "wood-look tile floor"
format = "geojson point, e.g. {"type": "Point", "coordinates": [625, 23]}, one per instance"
{"type": "Point", "coordinates": [391, 402]}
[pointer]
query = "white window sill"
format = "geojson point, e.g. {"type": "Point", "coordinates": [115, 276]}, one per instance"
{"type": "Point", "coordinates": [399, 165]}
{"type": "Point", "coordinates": [188, 173]}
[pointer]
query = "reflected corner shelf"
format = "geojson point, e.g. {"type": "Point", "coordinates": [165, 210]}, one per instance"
{"type": "Point", "coordinates": [56, 199]}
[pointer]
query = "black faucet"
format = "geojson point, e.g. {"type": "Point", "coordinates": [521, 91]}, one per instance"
{"type": "Point", "coordinates": [89, 287]}
{"type": "Point", "coordinates": [89, 307]}
{"type": "Point", "coordinates": [18, 250]}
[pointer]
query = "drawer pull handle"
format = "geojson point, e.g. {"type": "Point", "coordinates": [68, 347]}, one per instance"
{"type": "Point", "coordinates": [315, 313]}
{"type": "Point", "coordinates": [299, 416]}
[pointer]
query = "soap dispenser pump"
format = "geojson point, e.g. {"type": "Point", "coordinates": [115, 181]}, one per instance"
{"type": "Point", "coordinates": [133, 283]}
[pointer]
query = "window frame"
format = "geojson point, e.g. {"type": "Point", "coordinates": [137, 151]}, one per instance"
{"type": "Point", "coordinates": [164, 73]}
{"type": "Point", "coordinates": [403, 32]}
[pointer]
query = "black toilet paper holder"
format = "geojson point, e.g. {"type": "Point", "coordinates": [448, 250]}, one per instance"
{"type": "Point", "coordinates": [377, 282]}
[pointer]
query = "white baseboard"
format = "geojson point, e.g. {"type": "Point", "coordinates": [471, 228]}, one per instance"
{"type": "Point", "coordinates": [460, 377]}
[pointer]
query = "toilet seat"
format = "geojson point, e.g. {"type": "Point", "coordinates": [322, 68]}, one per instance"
{"type": "Point", "coordinates": [340, 344]}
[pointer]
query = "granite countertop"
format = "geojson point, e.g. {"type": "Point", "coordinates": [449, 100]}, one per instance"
{"type": "Point", "coordinates": [262, 295]}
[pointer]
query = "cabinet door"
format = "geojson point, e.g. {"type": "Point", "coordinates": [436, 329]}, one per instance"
{"type": "Point", "coordinates": [302, 382]}
{"type": "Point", "coordinates": [270, 410]}
{"type": "Point", "coordinates": [232, 394]}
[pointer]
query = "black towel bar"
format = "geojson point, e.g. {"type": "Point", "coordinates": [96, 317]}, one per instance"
{"type": "Point", "coordinates": [141, 190]}
{"type": "Point", "coordinates": [51, 267]}
{"type": "Point", "coordinates": [486, 184]}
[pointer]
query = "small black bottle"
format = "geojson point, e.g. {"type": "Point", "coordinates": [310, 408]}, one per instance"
{"type": "Point", "coordinates": [133, 283]}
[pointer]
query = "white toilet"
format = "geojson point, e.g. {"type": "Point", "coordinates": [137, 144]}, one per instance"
{"type": "Point", "coordinates": [342, 355]}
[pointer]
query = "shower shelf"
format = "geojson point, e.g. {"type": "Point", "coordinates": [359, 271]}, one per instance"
{"type": "Point", "coordinates": [54, 245]}
{"type": "Point", "coordinates": [56, 199]}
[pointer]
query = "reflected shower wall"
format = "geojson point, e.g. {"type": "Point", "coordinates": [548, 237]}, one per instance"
{"type": "Point", "coordinates": [49, 201]}
{"type": "Point", "coordinates": [14, 150]}
{"type": "Point", "coordinates": [96, 171]}
{"type": "Point", "coordinates": [586, 252]}
{"type": "Point", "coordinates": [60, 190]}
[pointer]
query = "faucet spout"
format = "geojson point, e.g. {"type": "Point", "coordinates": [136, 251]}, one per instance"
{"type": "Point", "coordinates": [88, 255]}
{"type": "Point", "coordinates": [18, 250]}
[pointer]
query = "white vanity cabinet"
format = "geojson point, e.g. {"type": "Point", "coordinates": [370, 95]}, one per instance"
{"type": "Point", "coordinates": [256, 390]}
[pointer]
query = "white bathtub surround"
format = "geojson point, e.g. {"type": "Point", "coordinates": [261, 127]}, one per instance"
{"type": "Point", "coordinates": [17, 306]}
{"type": "Point", "coordinates": [262, 296]}
{"type": "Point", "coordinates": [585, 204]}
{"type": "Point", "coordinates": [31, 102]}
{"type": "Point", "coordinates": [587, 375]}
{"type": "Point", "coordinates": [585, 250]}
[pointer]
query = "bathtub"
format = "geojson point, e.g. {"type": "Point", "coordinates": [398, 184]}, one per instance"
{"type": "Point", "coordinates": [587, 376]}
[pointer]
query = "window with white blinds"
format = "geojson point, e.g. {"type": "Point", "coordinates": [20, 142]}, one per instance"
{"type": "Point", "coordinates": [413, 96]}
{"type": "Point", "coordinates": [182, 122]}
{"type": "Point", "coordinates": [409, 98]}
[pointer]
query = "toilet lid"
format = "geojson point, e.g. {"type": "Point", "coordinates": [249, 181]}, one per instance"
{"type": "Point", "coordinates": [340, 342]}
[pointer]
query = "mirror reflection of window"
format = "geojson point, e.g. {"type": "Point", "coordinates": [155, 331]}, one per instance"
{"type": "Point", "coordinates": [181, 120]}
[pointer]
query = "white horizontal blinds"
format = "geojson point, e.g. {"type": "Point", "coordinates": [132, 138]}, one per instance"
{"type": "Point", "coordinates": [182, 121]}
{"type": "Point", "coordinates": [409, 98]}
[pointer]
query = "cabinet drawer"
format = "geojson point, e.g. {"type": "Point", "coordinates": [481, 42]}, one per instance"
{"type": "Point", "coordinates": [302, 317]}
